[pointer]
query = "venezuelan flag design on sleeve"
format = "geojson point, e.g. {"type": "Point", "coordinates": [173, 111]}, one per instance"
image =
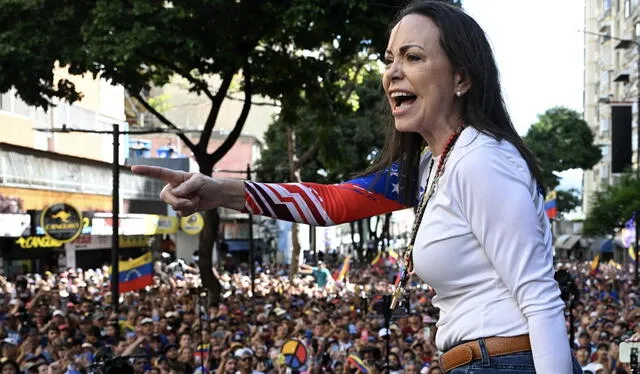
{"type": "Point", "coordinates": [135, 274]}
{"type": "Point", "coordinates": [326, 205]}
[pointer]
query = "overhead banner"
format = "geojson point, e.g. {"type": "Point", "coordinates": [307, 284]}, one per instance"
{"type": "Point", "coordinates": [62, 222]}
{"type": "Point", "coordinates": [134, 224]}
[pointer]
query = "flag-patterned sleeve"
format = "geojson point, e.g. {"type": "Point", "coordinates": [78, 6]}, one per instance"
{"type": "Point", "coordinates": [326, 205]}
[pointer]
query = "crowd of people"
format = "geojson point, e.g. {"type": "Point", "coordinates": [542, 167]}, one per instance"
{"type": "Point", "coordinates": [64, 323]}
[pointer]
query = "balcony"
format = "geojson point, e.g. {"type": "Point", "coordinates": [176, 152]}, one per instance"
{"type": "Point", "coordinates": [622, 76]}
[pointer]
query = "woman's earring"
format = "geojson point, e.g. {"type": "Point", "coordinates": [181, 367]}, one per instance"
{"type": "Point", "coordinates": [458, 93]}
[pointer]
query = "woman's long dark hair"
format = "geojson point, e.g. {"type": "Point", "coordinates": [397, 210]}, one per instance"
{"type": "Point", "coordinates": [468, 50]}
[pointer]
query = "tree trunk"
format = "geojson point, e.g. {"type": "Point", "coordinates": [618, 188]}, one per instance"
{"type": "Point", "coordinates": [360, 244]}
{"type": "Point", "coordinates": [373, 234]}
{"type": "Point", "coordinates": [386, 237]}
{"type": "Point", "coordinates": [208, 237]}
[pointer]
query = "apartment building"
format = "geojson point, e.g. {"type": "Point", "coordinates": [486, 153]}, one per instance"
{"type": "Point", "coordinates": [611, 88]}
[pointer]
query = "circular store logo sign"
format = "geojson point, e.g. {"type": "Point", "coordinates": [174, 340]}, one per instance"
{"type": "Point", "coordinates": [62, 222]}
{"type": "Point", "coordinates": [193, 224]}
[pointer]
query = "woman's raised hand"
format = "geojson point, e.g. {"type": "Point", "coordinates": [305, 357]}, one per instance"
{"type": "Point", "coordinates": [188, 193]}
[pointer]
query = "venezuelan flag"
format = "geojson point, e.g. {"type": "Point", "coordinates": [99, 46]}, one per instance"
{"type": "Point", "coordinates": [550, 205]}
{"type": "Point", "coordinates": [135, 274]}
{"type": "Point", "coordinates": [595, 264]}
{"type": "Point", "coordinates": [344, 270]}
{"type": "Point", "coordinates": [357, 362]}
{"type": "Point", "coordinates": [202, 350]}
{"type": "Point", "coordinates": [377, 259]}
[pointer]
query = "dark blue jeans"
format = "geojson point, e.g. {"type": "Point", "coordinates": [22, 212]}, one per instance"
{"type": "Point", "coordinates": [515, 363]}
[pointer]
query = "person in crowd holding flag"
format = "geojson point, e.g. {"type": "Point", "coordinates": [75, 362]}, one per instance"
{"type": "Point", "coordinates": [320, 273]}
{"type": "Point", "coordinates": [481, 237]}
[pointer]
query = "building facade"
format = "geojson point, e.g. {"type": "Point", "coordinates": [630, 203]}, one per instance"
{"type": "Point", "coordinates": [40, 168]}
{"type": "Point", "coordinates": [611, 88]}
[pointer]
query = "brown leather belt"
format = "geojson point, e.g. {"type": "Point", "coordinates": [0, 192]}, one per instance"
{"type": "Point", "coordinates": [496, 346]}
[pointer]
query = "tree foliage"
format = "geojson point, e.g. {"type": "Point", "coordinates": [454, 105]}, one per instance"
{"type": "Point", "coordinates": [568, 200]}
{"type": "Point", "coordinates": [612, 206]}
{"type": "Point", "coordinates": [288, 50]}
{"type": "Point", "coordinates": [561, 140]}
{"type": "Point", "coordinates": [338, 149]}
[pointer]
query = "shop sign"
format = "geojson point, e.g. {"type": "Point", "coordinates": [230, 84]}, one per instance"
{"type": "Point", "coordinates": [167, 225]}
{"type": "Point", "coordinates": [193, 224]}
{"type": "Point", "coordinates": [87, 218]}
{"type": "Point", "coordinates": [30, 242]}
{"type": "Point", "coordinates": [134, 241]}
{"type": "Point", "coordinates": [62, 222]}
{"type": "Point", "coordinates": [104, 242]}
{"type": "Point", "coordinates": [14, 225]}
{"type": "Point", "coordinates": [89, 242]}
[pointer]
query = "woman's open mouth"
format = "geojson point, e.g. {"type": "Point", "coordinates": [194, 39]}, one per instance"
{"type": "Point", "coordinates": [402, 101]}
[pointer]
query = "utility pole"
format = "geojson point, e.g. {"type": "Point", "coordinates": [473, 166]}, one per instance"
{"type": "Point", "coordinates": [115, 222]}
{"type": "Point", "coordinates": [252, 266]}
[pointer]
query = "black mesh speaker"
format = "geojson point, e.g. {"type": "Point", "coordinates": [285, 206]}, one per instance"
{"type": "Point", "coordinates": [620, 138]}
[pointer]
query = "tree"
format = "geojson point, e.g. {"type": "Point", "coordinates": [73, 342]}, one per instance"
{"type": "Point", "coordinates": [284, 50]}
{"type": "Point", "coordinates": [561, 140]}
{"type": "Point", "coordinates": [612, 206]}
{"type": "Point", "coordinates": [568, 200]}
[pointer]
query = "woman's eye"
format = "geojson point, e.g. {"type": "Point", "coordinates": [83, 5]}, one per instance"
{"type": "Point", "coordinates": [388, 61]}
{"type": "Point", "coordinates": [412, 57]}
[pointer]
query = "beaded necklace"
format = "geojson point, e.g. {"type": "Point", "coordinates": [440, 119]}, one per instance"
{"type": "Point", "coordinates": [407, 266]}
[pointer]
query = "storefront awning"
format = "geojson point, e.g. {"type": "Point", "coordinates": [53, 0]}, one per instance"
{"type": "Point", "coordinates": [567, 241]}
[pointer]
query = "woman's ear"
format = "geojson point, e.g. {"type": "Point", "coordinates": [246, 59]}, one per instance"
{"type": "Point", "coordinates": [462, 82]}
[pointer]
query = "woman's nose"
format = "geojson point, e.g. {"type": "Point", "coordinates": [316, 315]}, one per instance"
{"type": "Point", "coordinates": [394, 71]}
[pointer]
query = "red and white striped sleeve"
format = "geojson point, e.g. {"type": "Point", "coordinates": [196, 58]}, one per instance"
{"type": "Point", "coordinates": [326, 205]}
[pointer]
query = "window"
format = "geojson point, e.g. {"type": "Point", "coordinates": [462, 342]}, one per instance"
{"type": "Point", "coordinates": [604, 125]}
{"type": "Point", "coordinates": [606, 5]}
{"type": "Point", "coordinates": [604, 171]}
{"type": "Point", "coordinates": [5, 101]}
{"type": "Point", "coordinates": [21, 108]}
{"type": "Point", "coordinates": [637, 30]}
{"type": "Point", "coordinates": [627, 8]}
{"type": "Point", "coordinates": [604, 150]}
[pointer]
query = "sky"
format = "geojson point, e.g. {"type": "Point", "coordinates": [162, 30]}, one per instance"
{"type": "Point", "coordinates": [539, 49]}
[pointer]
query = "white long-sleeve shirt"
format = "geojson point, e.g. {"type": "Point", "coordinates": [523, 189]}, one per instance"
{"type": "Point", "coordinates": [484, 245]}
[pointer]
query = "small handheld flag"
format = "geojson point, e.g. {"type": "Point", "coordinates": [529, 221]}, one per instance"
{"type": "Point", "coordinates": [550, 205]}
{"type": "Point", "coordinates": [135, 274]}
